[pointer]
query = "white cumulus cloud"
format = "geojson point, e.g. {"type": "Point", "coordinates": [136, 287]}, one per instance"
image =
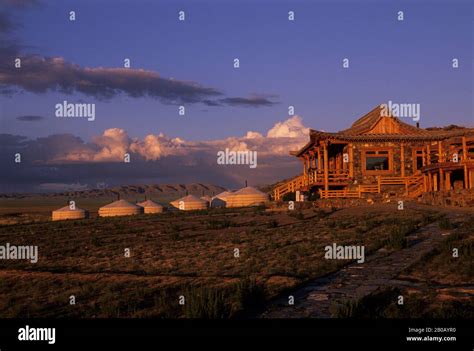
{"type": "Point", "coordinates": [291, 128]}
{"type": "Point", "coordinates": [115, 142]}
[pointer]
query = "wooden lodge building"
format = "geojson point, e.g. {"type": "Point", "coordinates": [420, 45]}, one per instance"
{"type": "Point", "coordinates": [382, 153]}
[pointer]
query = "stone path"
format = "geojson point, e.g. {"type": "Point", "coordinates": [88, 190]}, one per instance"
{"type": "Point", "coordinates": [356, 280]}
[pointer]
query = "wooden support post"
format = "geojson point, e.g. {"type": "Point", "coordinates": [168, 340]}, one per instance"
{"type": "Point", "coordinates": [319, 159]}
{"type": "Point", "coordinates": [441, 179]}
{"type": "Point", "coordinates": [448, 181]}
{"type": "Point", "coordinates": [402, 159]}
{"type": "Point", "coordinates": [379, 185]}
{"type": "Point", "coordinates": [428, 156]}
{"type": "Point", "coordinates": [435, 182]}
{"type": "Point", "coordinates": [466, 177]}
{"type": "Point", "coordinates": [440, 152]}
{"type": "Point", "coordinates": [308, 172]}
{"type": "Point", "coordinates": [351, 160]}
{"type": "Point", "coordinates": [464, 149]}
{"type": "Point", "coordinates": [341, 162]}
{"type": "Point", "coordinates": [304, 169]}
{"type": "Point", "coordinates": [326, 168]}
{"type": "Point", "coordinates": [464, 159]}
{"type": "Point", "coordinates": [425, 183]}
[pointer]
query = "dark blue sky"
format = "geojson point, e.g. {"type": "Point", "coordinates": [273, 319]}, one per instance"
{"type": "Point", "coordinates": [299, 62]}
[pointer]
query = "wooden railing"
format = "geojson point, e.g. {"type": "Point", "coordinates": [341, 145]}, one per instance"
{"type": "Point", "coordinates": [315, 177]}
{"type": "Point", "coordinates": [311, 178]}
{"type": "Point", "coordinates": [344, 193]}
{"type": "Point", "coordinates": [447, 164]}
{"type": "Point", "coordinates": [410, 182]}
{"type": "Point", "coordinates": [290, 186]}
{"type": "Point", "coordinates": [415, 192]}
{"type": "Point", "coordinates": [413, 186]}
{"type": "Point", "coordinates": [368, 188]}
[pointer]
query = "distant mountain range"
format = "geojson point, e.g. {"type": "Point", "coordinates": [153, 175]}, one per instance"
{"type": "Point", "coordinates": [149, 190]}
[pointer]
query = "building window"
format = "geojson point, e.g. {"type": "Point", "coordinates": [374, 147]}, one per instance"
{"type": "Point", "coordinates": [418, 162]}
{"type": "Point", "coordinates": [377, 162]}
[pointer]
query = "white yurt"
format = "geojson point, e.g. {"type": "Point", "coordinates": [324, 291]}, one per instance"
{"type": "Point", "coordinates": [120, 208]}
{"type": "Point", "coordinates": [150, 206]}
{"type": "Point", "coordinates": [189, 203]}
{"type": "Point", "coordinates": [220, 200]}
{"type": "Point", "coordinates": [67, 213]}
{"type": "Point", "coordinates": [247, 196]}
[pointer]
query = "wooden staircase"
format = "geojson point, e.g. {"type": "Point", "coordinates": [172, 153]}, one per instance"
{"type": "Point", "coordinates": [291, 185]}
{"type": "Point", "coordinates": [414, 187]}
{"type": "Point", "coordinates": [304, 181]}
{"type": "Point", "coordinates": [413, 184]}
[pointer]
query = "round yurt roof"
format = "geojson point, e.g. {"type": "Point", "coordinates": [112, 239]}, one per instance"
{"type": "Point", "coordinates": [220, 200]}
{"type": "Point", "coordinates": [120, 204]}
{"type": "Point", "coordinates": [120, 208]}
{"type": "Point", "coordinates": [67, 213]}
{"type": "Point", "coordinates": [190, 202]}
{"type": "Point", "coordinates": [190, 198]}
{"type": "Point", "coordinates": [149, 203]}
{"type": "Point", "coordinates": [247, 196]}
{"type": "Point", "coordinates": [249, 191]}
{"type": "Point", "coordinates": [223, 195]}
{"type": "Point", "coordinates": [150, 206]}
{"type": "Point", "coordinates": [206, 198]}
{"type": "Point", "coordinates": [67, 208]}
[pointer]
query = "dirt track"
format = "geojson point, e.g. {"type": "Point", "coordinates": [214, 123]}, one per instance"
{"type": "Point", "coordinates": [358, 280]}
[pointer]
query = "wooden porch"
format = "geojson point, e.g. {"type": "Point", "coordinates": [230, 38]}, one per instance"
{"type": "Point", "coordinates": [378, 152]}
{"type": "Point", "coordinates": [438, 176]}
{"type": "Point", "coordinates": [312, 178]}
